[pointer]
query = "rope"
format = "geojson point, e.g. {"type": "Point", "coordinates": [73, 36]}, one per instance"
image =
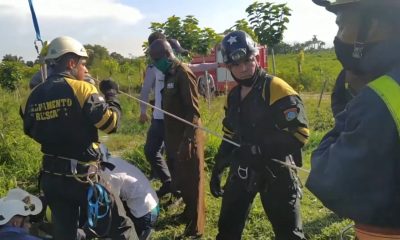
{"type": "Point", "coordinates": [205, 129]}
{"type": "Point", "coordinates": [43, 68]}
{"type": "Point", "coordinates": [90, 177]}
{"type": "Point", "coordinates": [35, 22]}
{"type": "Point", "coordinates": [97, 197]}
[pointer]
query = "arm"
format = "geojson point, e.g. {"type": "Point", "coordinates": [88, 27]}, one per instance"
{"type": "Point", "coordinates": [352, 164]}
{"type": "Point", "coordinates": [190, 99]}
{"type": "Point", "coordinates": [221, 159]}
{"type": "Point", "coordinates": [148, 84]}
{"type": "Point", "coordinates": [290, 118]}
{"type": "Point", "coordinates": [104, 114]}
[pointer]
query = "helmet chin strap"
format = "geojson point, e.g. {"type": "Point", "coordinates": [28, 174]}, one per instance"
{"type": "Point", "coordinates": [362, 35]}
{"type": "Point", "coordinates": [248, 82]}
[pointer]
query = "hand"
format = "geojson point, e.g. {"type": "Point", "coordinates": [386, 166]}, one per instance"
{"type": "Point", "coordinates": [143, 118]}
{"type": "Point", "coordinates": [109, 88]}
{"type": "Point", "coordinates": [215, 183]}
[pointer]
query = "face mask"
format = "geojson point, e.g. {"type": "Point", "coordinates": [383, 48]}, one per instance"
{"type": "Point", "coordinates": [349, 56]}
{"type": "Point", "coordinates": [163, 64]}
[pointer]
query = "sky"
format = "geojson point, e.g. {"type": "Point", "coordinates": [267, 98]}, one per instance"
{"type": "Point", "coordinates": [123, 25]}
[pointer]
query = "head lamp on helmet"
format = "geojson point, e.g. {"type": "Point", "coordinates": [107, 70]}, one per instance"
{"type": "Point", "coordinates": [237, 46]}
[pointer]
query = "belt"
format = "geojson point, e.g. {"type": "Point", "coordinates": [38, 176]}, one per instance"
{"type": "Point", "coordinates": [84, 172]}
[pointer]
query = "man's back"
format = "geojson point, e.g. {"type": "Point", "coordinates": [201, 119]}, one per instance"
{"type": "Point", "coordinates": [133, 187]}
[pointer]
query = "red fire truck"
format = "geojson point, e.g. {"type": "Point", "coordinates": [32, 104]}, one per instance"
{"type": "Point", "coordinates": [220, 79]}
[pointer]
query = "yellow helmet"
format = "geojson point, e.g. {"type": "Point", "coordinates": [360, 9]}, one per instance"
{"type": "Point", "coordinates": [62, 45]}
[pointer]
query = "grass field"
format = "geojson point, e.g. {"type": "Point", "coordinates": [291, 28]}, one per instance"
{"type": "Point", "coordinates": [319, 222]}
{"type": "Point", "coordinates": [20, 156]}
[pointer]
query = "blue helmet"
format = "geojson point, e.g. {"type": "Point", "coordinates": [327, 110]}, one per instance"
{"type": "Point", "coordinates": [237, 46]}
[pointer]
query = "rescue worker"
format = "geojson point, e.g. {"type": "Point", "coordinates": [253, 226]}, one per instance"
{"type": "Point", "coordinates": [15, 210]}
{"type": "Point", "coordinates": [266, 117]}
{"type": "Point", "coordinates": [355, 169]}
{"type": "Point", "coordinates": [184, 143]}
{"type": "Point", "coordinates": [63, 115]}
{"type": "Point", "coordinates": [154, 79]}
{"type": "Point", "coordinates": [154, 145]}
{"type": "Point", "coordinates": [135, 190]}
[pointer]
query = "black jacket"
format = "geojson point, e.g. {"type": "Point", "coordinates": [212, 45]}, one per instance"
{"type": "Point", "coordinates": [63, 115]}
{"type": "Point", "coordinates": [271, 115]}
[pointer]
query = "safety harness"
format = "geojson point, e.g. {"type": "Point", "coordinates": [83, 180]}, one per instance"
{"type": "Point", "coordinates": [98, 198]}
{"type": "Point", "coordinates": [90, 177]}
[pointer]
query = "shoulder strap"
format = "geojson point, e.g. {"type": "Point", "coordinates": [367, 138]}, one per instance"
{"type": "Point", "coordinates": [266, 87]}
{"type": "Point", "coordinates": [389, 91]}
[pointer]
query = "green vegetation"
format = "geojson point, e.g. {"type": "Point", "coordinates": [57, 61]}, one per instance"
{"type": "Point", "coordinates": [20, 156]}
{"type": "Point", "coordinates": [316, 68]}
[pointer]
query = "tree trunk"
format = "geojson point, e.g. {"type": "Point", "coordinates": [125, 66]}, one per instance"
{"type": "Point", "coordinates": [273, 62]}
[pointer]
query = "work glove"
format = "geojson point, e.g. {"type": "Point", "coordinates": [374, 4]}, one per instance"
{"type": "Point", "coordinates": [215, 183]}
{"type": "Point", "coordinates": [108, 88]}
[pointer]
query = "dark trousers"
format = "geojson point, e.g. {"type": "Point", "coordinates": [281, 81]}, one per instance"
{"type": "Point", "coordinates": [279, 199]}
{"type": "Point", "coordinates": [146, 222]}
{"type": "Point", "coordinates": [67, 199]}
{"type": "Point", "coordinates": [153, 150]}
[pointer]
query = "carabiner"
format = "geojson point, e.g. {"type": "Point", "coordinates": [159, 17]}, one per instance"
{"type": "Point", "coordinates": [245, 170]}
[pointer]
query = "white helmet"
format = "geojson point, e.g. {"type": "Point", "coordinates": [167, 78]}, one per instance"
{"type": "Point", "coordinates": [18, 202]}
{"type": "Point", "coordinates": [62, 45]}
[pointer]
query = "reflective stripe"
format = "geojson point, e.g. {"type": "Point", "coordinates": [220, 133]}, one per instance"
{"type": "Point", "coordinates": [389, 91]}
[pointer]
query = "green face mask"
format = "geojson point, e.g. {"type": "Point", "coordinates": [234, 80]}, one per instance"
{"type": "Point", "coordinates": [163, 64]}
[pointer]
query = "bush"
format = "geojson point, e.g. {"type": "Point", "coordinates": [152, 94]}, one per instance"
{"type": "Point", "coordinates": [20, 156]}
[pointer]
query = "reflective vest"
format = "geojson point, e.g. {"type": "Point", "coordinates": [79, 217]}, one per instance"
{"type": "Point", "coordinates": [389, 91]}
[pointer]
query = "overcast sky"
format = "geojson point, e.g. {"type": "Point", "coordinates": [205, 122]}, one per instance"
{"type": "Point", "coordinates": [123, 25]}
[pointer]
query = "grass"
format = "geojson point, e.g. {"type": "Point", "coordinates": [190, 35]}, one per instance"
{"type": "Point", "coordinates": [319, 222]}
{"type": "Point", "coordinates": [20, 161]}
{"type": "Point", "coordinates": [20, 156]}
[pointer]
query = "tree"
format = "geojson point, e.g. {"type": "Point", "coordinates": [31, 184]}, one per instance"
{"type": "Point", "coordinates": [29, 63]}
{"type": "Point", "coordinates": [118, 57]}
{"type": "Point", "coordinates": [268, 22]}
{"type": "Point", "coordinates": [283, 48]}
{"type": "Point", "coordinates": [207, 40]}
{"type": "Point", "coordinates": [12, 58]}
{"type": "Point", "coordinates": [191, 33]}
{"type": "Point", "coordinates": [111, 65]}
{"type": "Point", "coordinates": [188, 33]}
{"type": "Point", "coordinates": [242, 25]}
{"type": "Point", "coordinates": [10, 75]}
{"type": "Point", "coordinates": [96, 52]}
